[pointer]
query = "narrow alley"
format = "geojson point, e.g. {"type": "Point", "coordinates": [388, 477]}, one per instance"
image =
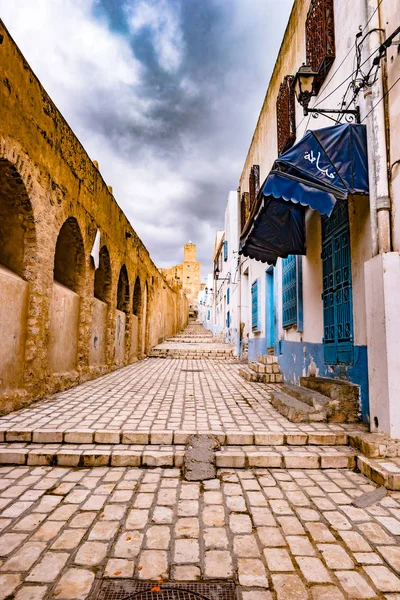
{"type": "Point", "coordinates": [288, 526]}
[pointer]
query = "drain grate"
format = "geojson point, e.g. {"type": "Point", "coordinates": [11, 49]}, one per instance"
{"type": "Point", "coordinates": [141, 590]}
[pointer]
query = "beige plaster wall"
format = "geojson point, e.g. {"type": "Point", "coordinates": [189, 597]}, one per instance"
{"type": "Point", "coordinates": [97, 352]}
{"type": "Point", "coordinates": [13, 312]}
{"type": "Point", "coordinates": [63, 334]}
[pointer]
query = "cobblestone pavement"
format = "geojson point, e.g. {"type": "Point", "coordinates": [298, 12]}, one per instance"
{"type": "Point", "coordinates": [282, 535]}
{"type": "Point", "coordinates": [164, 394]}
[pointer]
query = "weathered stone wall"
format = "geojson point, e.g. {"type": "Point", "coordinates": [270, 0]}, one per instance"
{"type": "Point", "coordinates": [61, 320]}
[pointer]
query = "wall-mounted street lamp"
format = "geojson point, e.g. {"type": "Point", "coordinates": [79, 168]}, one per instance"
{"type": "Point", "coordinates": [218, 278]}
{"type": "Point", "coordinates": [304, 89]}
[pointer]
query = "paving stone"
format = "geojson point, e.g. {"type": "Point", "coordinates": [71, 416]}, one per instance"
{"type": "Point", "coordinates": [25, 557]}
{"type": "Point", "coordinates": [256, 595]}
{"type": "Point", "coordinates": [335, 556]}
{"type": "Point", "coordinates": [137, 519]}
{"type": "Point", "coordinates": [69, 539]}
{"type": "Point", "coordinates": [128, 544]}
{"type": "Point", "coordinates": [83, 519]}
{"type": "Point", "coordinates": [376, 534]}
{"type": "Point", "coordinates": [30, 592]}
{"type": "Point", "coordinates": [214, 516]}
{"type": "Point", "coordinates": [218, 564]}
{"type": "Point", "coordinates": [354, 585]}
{"type": "Point", "coordinates": [104, 530]}
{"type": "Point", "coordinates": [187, 573]}
{"type": "Point", "coordinates": [313, 569]}
{"type": "Point", "coordinates": [162, 514]}
{"type": "Point", "coordinates": [326, 592]}
{"type": "Point", "coordinates": [30, 523]}
{"type": "Point", "coordinates": [91, 554]}
{"type": "Point", "coordinates": [10, 541]}
{"type": "Point", "coordinates": [300, 545]}
{"type": "Point", "coordinates": [48, 568]}
{"type": "Point", "coordinates": [158, 537]}
{"type": "Point", "coordinates": [187, 527]}
{"type": "Point", "coordinates": [289, 587]}
{"type": "Point", "coordinates": [8, 583]}
{"type": "Point", "coordinates": [75, 584]}
{"type": "Point", "coordinates": [278, 559]}
{"type": "Point", "coordinates": [251, 572]}
{"type": "Point", "coordinates": [245, 546]}
{"type": "Point", "coordinates": [186, 551]}
{"type": "Point", "coordinates": [240, 523]}
{"type": "Point", "coordinates": [47, 531]}
{"type": "Point", "coordinates": [383, 578]}
{"type": "Point", "coordinates": [154, 565]}
{"type": "Point", "coordinates": [119, 567]}
{"type": "Point", "coordinates": [215, 537]}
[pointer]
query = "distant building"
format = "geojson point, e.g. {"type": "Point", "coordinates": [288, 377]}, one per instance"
{"type": "Point", "coordinates": [186, 275]}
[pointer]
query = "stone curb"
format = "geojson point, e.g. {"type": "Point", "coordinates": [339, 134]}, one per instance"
{"type": "Point", "coordinates": [277, 457]}
{"type": "Point", "coordinates": [173, 437]}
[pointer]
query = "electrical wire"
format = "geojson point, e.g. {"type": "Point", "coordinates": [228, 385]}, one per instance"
{"type": "Point", "coordinates": [380, 99]}
{"type": "Point", "coordinates": [339, 66]}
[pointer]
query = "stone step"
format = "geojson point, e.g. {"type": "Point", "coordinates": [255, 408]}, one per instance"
{"type": "Point", "coordinates": [295, 410]}
{"type": "Point", "coordinates": [310, 397]}
{"type": "Point", "coordinates": [190, 354]}
{"type": "Point", "coordinates": [282, 457]}
{"type": "Point", "coordinates": [262, 368]}
{"type": "Point", "coordinates": [249, 375]}
{"type": "Point", "coordinates": [345, 396]}
{"type": "Point", "coordinates": [383, 471]}
{"type": "Point", "coordinates": [157, 437]}
{"type": "Point", "coordinates": [267, 359]}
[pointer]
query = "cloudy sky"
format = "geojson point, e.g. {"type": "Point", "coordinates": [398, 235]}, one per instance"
{"type": "Point", "coordinates": [164, 94]}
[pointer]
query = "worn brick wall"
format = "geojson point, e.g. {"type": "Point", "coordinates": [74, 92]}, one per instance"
{"type": "Point", "coordinates": [49, 183]}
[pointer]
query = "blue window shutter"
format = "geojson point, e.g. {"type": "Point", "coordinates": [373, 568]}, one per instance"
{"type": "Point", "coordinates": [226, 250]}
{"type": "Point", "coordinates": [228, 319]}
{"type": "Point", "coordinates": [254, 306]}
{"type": "Point", "coordinates": [228, 296]}
{"type": "Point", "coordinates": [289, 291]}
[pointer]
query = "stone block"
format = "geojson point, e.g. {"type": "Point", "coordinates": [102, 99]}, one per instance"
{"type": "Point", "coordinates": [78, 436]}
{"type": "Point", "coordinates": [46, 436]}
{"type": "Point", "coordinates": [106, 437]}
{"type": "Point", "coordinates": [134, 437]}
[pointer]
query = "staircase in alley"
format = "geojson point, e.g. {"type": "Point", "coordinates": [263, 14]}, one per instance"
{"type": "Point", "coordinates": [193, 342]}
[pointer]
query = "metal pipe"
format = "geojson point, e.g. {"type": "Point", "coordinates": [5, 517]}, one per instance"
{"type": "Point", "coordinates": [380, 205]}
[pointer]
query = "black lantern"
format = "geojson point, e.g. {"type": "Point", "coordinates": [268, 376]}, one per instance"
{"type": "Point", "coordinates": [303, 86]}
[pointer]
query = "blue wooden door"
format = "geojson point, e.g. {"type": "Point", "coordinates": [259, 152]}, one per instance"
{"type": "Point", "coordinates": [337, 287]}
{"type": "Point", "coordinates": [269, 304]}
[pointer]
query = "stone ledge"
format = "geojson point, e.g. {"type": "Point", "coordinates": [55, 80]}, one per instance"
{"type": "Point", "coordinates": [176, 437]}
{"type": "Point", "coordinates": [381, 471]}
{"type": "Point", "coordinates": [317, 457]}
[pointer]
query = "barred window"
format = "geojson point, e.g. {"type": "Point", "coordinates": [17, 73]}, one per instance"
{"type": "Point", "coordinates": [225, 250]}
{"type": "Point", "coordinates": [254, 307]}
{"type": "Point", "coordinates": [320, 39]}
{"type": "Point", "coordinates": [286, 115]}
{"type": "Point", "coordinates": [289, 291]}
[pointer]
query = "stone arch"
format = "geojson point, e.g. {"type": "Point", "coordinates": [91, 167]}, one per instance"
{"type": "Point", "coordinates": [17, 256]}
{"type": "Point", "coordinates": [102, 291]}
{"type": "Point", "coordinates": [69, 257]}
{"type": "Point", "coordinates": [145, 319]}
{"type": "Point", "coordinates": [137, 298]}
{"type": "Point", "coordinates": [121, 315]}
{"type": "Point", "coordinates": [68, 294]}
{"type": "Point", "coordinates": [123, 290]}
{"type": "Point", "coordinates": [17, 225]}
{"type": "Point", "coordinates": [102, 277]}
{"type": "Point", "coordinates": [136, 329]}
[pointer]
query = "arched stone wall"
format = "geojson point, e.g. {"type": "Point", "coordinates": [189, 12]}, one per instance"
{"type": "Point", "coordinates": [136, 332]}
{"type": "Point", "coordinates": [17, 254]}
{"type": "Point", "coordinates": [53, 201]}
{"type": "Point", "coordinates": [68, 290]}
{"type": "Point", "coordinates": [100, 311]}
{"type": "Point", "coordinates": [123, 310]}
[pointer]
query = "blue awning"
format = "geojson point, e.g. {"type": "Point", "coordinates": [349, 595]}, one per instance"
{"type": "Point", "coordinates": [324, 166]}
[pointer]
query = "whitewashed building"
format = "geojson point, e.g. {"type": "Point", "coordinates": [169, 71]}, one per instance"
{"type": "Point", "coordinates": [319, 212]}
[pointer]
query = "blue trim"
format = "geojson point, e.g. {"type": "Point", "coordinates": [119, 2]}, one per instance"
{"type": "Point", "coordinates": [269, 307]}
{"type": "Point", "coordinates": [226, 250]}
{"type": "Point", "coordinates": [228, 295]}
{"type": "Point", "coordinates": [257, 346]}
{"type": "Point", "coordinates": [302, 358]}
{"type": "Point", "coordinates": [255, 313]}
{"type": "Point", "coordinates": [299, 292]}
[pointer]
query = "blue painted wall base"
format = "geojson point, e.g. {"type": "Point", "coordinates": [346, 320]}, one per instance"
{"type": "Point", "coordinates": [297, 359]}
{"type": "Point", "coordinates": [257, 346]}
